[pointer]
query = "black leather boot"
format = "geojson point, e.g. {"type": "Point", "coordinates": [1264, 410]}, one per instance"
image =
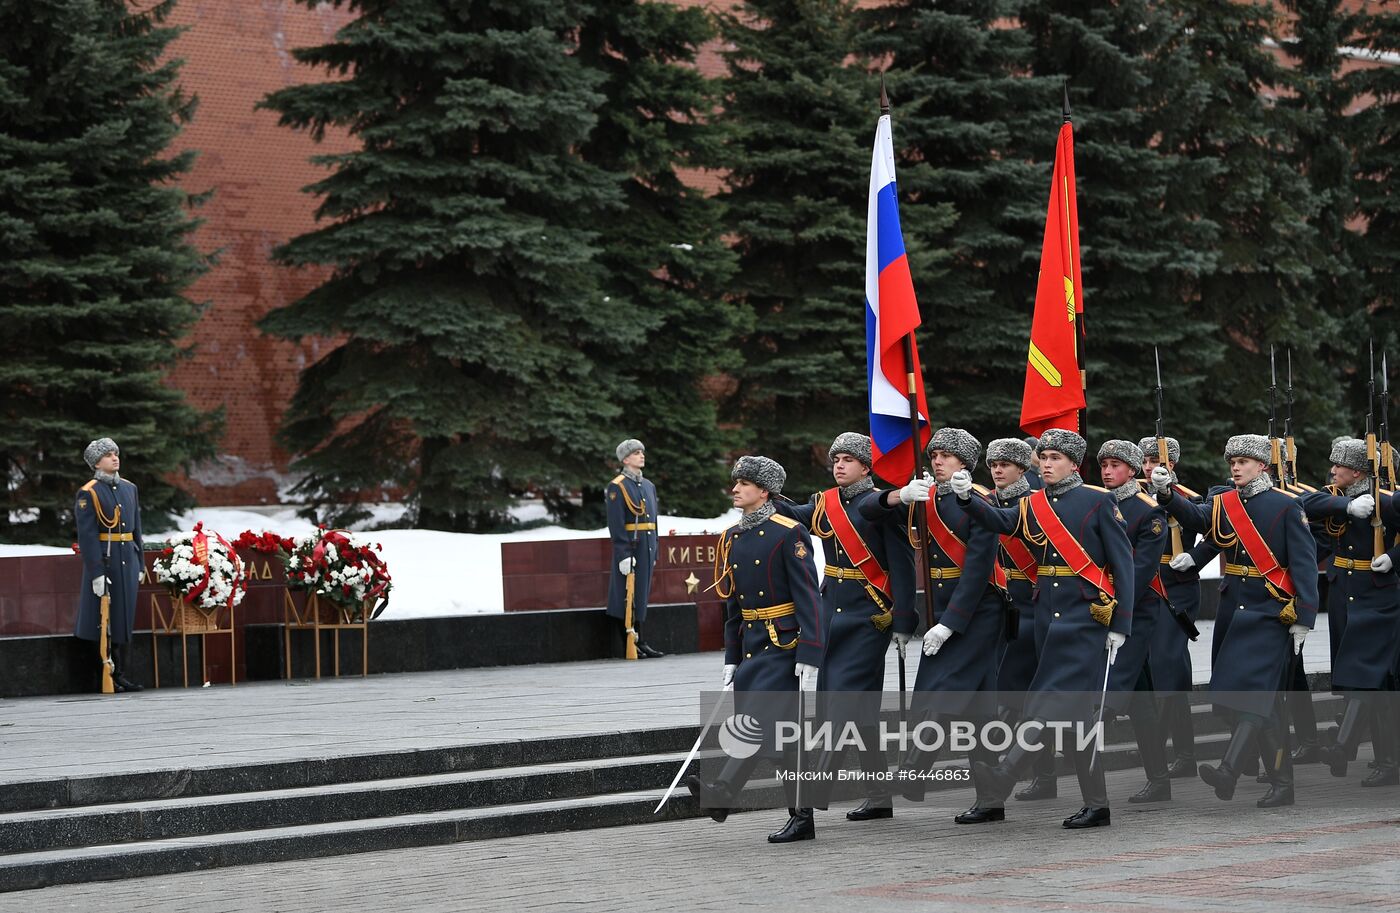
{"type": "Point", "coordinates": [1348, 737]}
{"type": "Point", "coordinates": [645, 649]}
{"type": "Point", "coordinates": [1092, 790]}
{"type": "Point", "coordinates": [873, 809]}
{"type": "Point", "coordinates": [1273, 743]}
{"type": "Point", "coordinates": [1177, 713]}
{"type": "Point", "coordinates": [1224, 777]}
{"type": "Point", "coordinates": [119, 679]}
{"type": "Point", "coordinates": [986, 808]}
{"type": "Point", "coordinates": [877, 805]}
{"type": "Point", "coordinates": [717, 798]}
{"type": "Point", "coordinates": [801, 825]}
{"type": "Point", "coordinates": [998, 781]}
{"type": "Point", "coordinates": [1044, 785]}
{"type": "Point", "coordinates": [1385, 741]}
{"type": "Point", "coordinates": [1152, 747]}
{"type": "Point", "coordinates": [911, 780]}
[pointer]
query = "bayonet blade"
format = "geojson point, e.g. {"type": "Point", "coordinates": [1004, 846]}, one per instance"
{"type": "Point", "coordinates": [1156, 357]}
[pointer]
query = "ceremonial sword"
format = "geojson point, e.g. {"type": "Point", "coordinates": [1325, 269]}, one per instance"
{"type": "Point", "coordinates": [694, 750]}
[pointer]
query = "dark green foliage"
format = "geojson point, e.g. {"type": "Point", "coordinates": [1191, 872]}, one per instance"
{"type": "Point", "coordinates": [972, 131]}
{"type": "Point", "coordinates": [94, 258]}
{"type": "Point", "coordinates": [464, 235]}
{"type": "Point", "coordinates": [665, 256]}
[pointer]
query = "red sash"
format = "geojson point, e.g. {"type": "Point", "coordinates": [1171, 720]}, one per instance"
{"type": "Point", "coordinates": [1025, 561]}
{"type": "Point", "coordinates": [1254, 543]}
{"type": "Point", "coordinates": [853, 544]}
{"type": "Point", "coordinates": [1068, 546]}
{"type": "Point", "coordinates": [955, 548]}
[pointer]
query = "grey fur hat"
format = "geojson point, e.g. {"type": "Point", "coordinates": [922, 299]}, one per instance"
{"type": "Point", "coordinates": [1351, 453]}
{"type": "Point", "coordinates": [852, 442]}
{"type": "Point", "coordinates": [766, 473]}
{"type": "Point", "coordinates": [957, 442]}
{"type": "Point", "coordinates": [629, 447]}
{"type": "Point", "coordinates": [1011, 450]}
{"type": "Point", "coordinates": [1066, 442]}
{"type": "Point", "coordinates": [99, 449]}
{"type": "Point", "coordinates": [1126, 451]}
{"type": "Point", "coordinates": [1148, 446]}
{"type": "Point", "coordinates": [1253, 446]}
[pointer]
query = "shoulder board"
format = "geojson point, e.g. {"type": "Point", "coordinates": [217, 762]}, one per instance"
{"type": "Point", "coordinates": [1096, 488]}
{"type": "Point", "coordinates": [1285, 491]}
{"type": "Point", "coordinates": [779, 519]}
{"type": "Point", "coordinates": [89, 486]}
{"type": "Point", "coordinates": [1147, 499]}
{"type": "Point", "coordinates": [617, 479]}
{"type": "Point", "coordinates": [981, 489]}
{"type": "Point", "coordinates": [1188, 492]}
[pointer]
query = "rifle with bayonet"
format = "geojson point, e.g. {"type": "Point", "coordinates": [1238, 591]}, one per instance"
{"type": "Point", "coordinates": [1387, 453]}
{"type": "Point", "coordinates": [1275, 444]}
{"type": "Point", "coordinates": [1164, 459]}
{"type": "Point", "coordinates": [1373, 455]}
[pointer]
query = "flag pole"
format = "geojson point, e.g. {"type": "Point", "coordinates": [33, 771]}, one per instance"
{"type": "Point", "coordinates": [1079, 332]}
{"type": "Point", "coordinates": [911, 390]}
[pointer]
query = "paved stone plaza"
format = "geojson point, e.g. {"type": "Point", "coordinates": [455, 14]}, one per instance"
{"type": "Point", "coordinates": [1339, 848]}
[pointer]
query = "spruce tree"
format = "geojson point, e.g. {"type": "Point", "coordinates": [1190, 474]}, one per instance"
{"type": "Point", "coordinates": [799, 120]}
{"type": "Point", "coordinates": [1144, 240]}
{"type": "Point", "coordinates": [666, 257]}
{"type": "Point", "coordinates": [95, 258]}
{"type": "Point", "coordinates": [481, 358]}
{"type": "Point", "coordinates": [969, 127]}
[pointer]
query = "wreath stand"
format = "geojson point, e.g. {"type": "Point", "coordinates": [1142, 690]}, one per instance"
{"type": "Point", "coordinates": [317, 616]}
{"type": "Point", "coordinates": [185, 621]}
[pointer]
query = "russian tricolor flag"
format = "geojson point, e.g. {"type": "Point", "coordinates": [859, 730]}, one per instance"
{"type": "Point", "coordinates": [891, 314]}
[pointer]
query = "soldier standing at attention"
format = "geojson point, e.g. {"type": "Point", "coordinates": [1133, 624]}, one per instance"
{"type": "Point", "coordinates": [632, 514]}
{"type": "Point", "coordinates": [1263, 535]}
{"type": "Point", "coordinates": [773, 638]}
{"type": "Point", "coordinates": [1084, 605]}
{"type": "Point", "coordinates": [1169, 654]}
{"type": "Point", "coordinates": [868, 594]}
{"type": "Point", "coordinates": [107, 511]}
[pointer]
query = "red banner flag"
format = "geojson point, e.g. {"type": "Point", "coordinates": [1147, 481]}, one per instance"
{"type": "Point", "coordinates": [1054, 391]}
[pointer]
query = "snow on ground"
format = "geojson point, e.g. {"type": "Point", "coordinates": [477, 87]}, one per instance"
{"type": "Point", "coordinates": [435, 573]}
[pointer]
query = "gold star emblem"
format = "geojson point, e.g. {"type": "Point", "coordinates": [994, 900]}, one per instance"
{"type": "Point", "coordinates": [691, 582]}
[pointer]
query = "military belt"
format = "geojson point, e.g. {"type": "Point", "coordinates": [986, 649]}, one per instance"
{"type": "Point", "coordinates": [770, 612]}
{"type": "Point", "coordinates": [843, 573]}
{"type": "Point", "coordinates": [639, 527]}
{"type": "Point", "coordinates": [1055, 570]}
{"type": "Point", "coordinates": [1013, 574]}
{"type": "Point", "coordinates": [1352, 564]}
{"type": "Point", "coordinates": [1242, 570]}
{"type": "Point", "coordinates": [944, 573]}
{"type": "Point", "coordinates": [115, 537]}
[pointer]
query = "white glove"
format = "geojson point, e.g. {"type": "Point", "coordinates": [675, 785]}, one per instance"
{"type": "Point", "coordinates": [1161, 479]}
{"type": "Point", "coordinates": [1115, 640]}
{"type": "Point", "coordinates": [1182, 562]}
{"type": "Point", "coordinates": [627, 566]}
{"type": "Point", "coordinates": [1361, 506]}
{"type": "Point", "coordinates": [1299, 633]}
{"type": "Point", "coordinates": [1382, 564]}
{"type": "Point", "coordinates": [806, 677]}
{"type": "Point", "coordinates": [935, 637]}
{"type": "Point", "coordinates": [916, 490]}
{"type": "Point", "coordinates": [99, 586]}
{"type": "Point", "coordinates": [728, 678]}
{"type": "Point", "coordinates": [962, 483]}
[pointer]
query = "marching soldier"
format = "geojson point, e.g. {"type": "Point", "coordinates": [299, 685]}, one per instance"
{"type": "Point", "coordinates": [963, 641]}
{"type": "Point", "coordinates": [1169, 654]}
{"type": "Point", "coordinates": [1119, 464]}
{"type": "Point", "coordinates": [1262, 534]}
{"type": "Point", "coordinates": [108, 514]}
{"type": "Point", "coordinates": [1366, 584]}
{"type": "Point", "coordinates": [632, 514]}
{"type": "Point", "coordinates": [1084, 615]}
{"type": "Point", "coordinates": [772, 628]}
{"type": "Point", "coordinates": [868, 595]}
{"type": "Point", "coordinates": [1009, 459]}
